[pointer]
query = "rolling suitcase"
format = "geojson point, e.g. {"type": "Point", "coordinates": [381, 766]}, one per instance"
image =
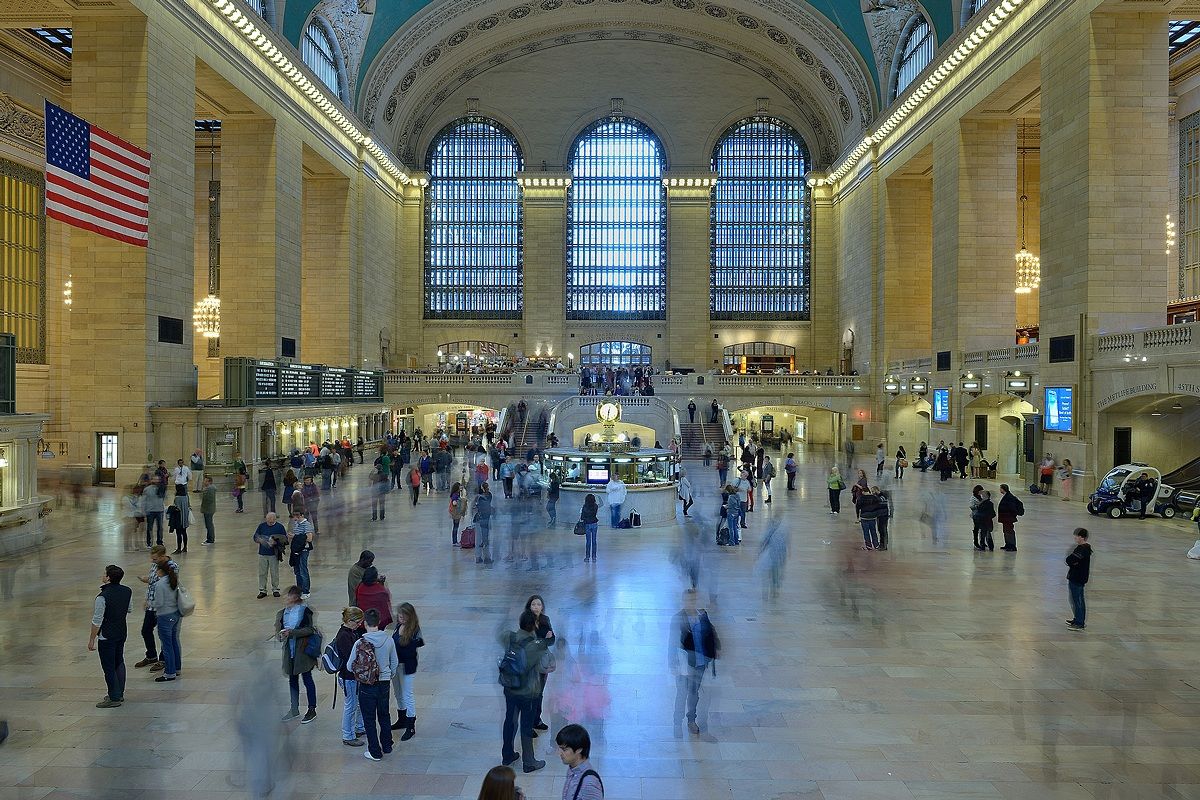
{"type": "Point", "coordinates": [466, 538]}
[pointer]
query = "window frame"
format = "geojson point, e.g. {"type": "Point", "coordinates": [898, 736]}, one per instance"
{"type": "Point", "coordinates": [517, 207]}
{"type": "Point", "coordinates": [716, 204]}
{"type": "Point", "coordinates": [310, 45]}
{"type": "Point", "coordinates": [573, 294]}
{"type": "Point", "coordinates": [904, 57]}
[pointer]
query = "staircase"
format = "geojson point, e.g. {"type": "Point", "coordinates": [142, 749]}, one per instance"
{"type": "Point", "coordinates": [695, 434]}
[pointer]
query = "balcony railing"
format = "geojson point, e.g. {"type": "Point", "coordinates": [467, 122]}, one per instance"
{"type": "Point", "coordinates": [1180, 338]}
{"type": "Point", "coordinates": [552, 382]}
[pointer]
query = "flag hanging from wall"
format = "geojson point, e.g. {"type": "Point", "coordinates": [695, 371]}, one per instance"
{"type": "Point", "coordinates": [94, 180]}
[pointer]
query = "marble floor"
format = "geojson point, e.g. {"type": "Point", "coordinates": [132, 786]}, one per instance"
{"type": "Point", "coordinates": [929, 671]}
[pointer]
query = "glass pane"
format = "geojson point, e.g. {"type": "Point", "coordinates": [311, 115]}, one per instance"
{"type": "Point", "coordinates": [317, 52]}
{"type": "Point", "coordinates": [473, 223]}
{"type": "Point", "coordinates": [915, 55]}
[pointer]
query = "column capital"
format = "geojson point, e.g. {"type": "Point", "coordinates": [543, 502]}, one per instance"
{"type": "Point", "coordinates": [544, 185]}
{"type": "Point", "coordinates": [685, 185]}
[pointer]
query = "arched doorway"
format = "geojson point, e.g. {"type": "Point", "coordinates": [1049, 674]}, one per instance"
{"type": "Point", "coordinates": [614, 354]}
{"type": "Point", "coordinates": [1155, 429]}
{"type": "Point", "coordinates": [995, 422]}
{"type": "Point", "coordinates": [908, 424]}
{"type": "Point", "coordinates": [759, 358]}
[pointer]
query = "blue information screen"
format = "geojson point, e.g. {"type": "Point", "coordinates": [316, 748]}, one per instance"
{"type": "Point", "coordinates": [1059, 409]}
{"type": "Point", "coordinates": [941, 405]}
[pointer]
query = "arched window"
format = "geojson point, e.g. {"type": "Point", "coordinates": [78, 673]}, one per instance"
{"type": "Point", "coordinates": [616, 223]}
{"type": "Point", "coordinates": [473, 223]}
{"type": "Point", "coordinates": [916, 51]}
{"type": "Point", "coordinates": [760, 223]}
{"type": "Point", "coordinates": [760, 357]}
{"type": "Point", "coordinates": [318, 50]}
{"type": "Point", "coordinates": [265, 9]}
{"type": "Point", "coordinates": [970, 8]}
{"type": "Point", "coordinates": [614, 354]}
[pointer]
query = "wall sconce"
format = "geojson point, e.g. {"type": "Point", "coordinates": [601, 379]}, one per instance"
{"type": "Point", "coordinates": [1132, 358]}
{"type": "Point", "coordinates": [918, 386]}
{"type": "Point", "coordinates": [969, 384]}
{"type": "Point", "coordinates": [1016, 383]}
{"type": "Point", "coordinates": [891, 386]}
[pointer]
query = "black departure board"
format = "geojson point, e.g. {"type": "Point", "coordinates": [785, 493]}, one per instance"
{"type": "Point", "coordinates": [250, 381]}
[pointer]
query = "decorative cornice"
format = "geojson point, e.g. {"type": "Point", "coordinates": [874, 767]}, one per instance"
{"type": "Point", "coordinates": [543, 180]}
{"type": "Point", "coordinates": [20, 123]}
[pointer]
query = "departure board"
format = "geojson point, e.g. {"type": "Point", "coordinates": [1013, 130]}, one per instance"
{"type": "Point", "coordinates": [250, 381]}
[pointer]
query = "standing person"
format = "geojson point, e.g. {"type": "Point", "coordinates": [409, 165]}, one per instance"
{"type": "Point", "coordinates": [880, 458]}
{"type": "Point", "coordinates": [208, 509]}
{"type": "Point", "coordinates": [109, 631]}
{"type": "Point", "coordinates": [767, 474]}
{"type": "Point", "coordinates": [153, 508]}
{"type": "Point", "coordinates": [734, 513]}
{"type": "Point", "coordinates": [457, 510]}
{"type": "Point", "coordinates": [942, 465]}
{"type": "Point", "coordinates": [974, 455]}
{"type": "Point", "coordinates": [615, 493]}
{"type": "Point", "coordinates": [483, 522]}
{"type": "Point", "coordinates": [373, 594]}
{"type": "Point", "coordinates": [697, 640]}
{"type": "Point", "coordinates": [976, 499]}
{"type": "Point", "coordinates": [857, 490]}
{"type": "Point", "coordinates": [289, 489]}
{"type": "Point", "coordinates": [868, 515]}
{"type": "Point", "coordinates": [544, 631]}
{"type": "Point", "coordinates": [745, 489]}
{"type": "Point", "coordinates": [197, 468]}
{"type": "Point", "coordinates": [350, 632]}
{"type": "Point", "coordinates": [406, 638]}
{"type": "Point", "coordinates": [715, 411]}
{"type": "Point", "coordinates": [960, 457]}
{"type": "Point", "coordinates": [165, 604]}
{"type": "Point", "coordinates": [685, 491]}
{"type": "Point", "coordinates": [1007, 512]}
{"type": "Point", "coordinates": [177, 519]}
{"type": "Point", "coordinates": [271, 537]}
{"type": "Point", "coordinates": [519, 699]}
{"type": "Point", "coordinates": [373, 662]}
{"type": "Point", "coordinates": [589, 516]}
{"type": "Point", "coordinates": [158, 554]}
{"type": "Point", "coordinates": [553, 490]}
{"type": "Point", "coordinates": [414, 484]}
{"type": "Point", "coordinates": [239, 492]}
{"type": "Point", "coordinates": [181, 476]}
{"type": "Point", "coordinates": [1146, 489]}
{"type": "Point", "coordinates": [380, 484]}
{"type": "Point", "coordinates": [294, 624]}
{"type": "Point", "coordinates": [425, 464]}
{"type": "Point", "coordinates": [708, 454]}
{"type": "Point", "coordinates": [361, 447]}
{"type": "Point", "coordinates": [836, 487]}
{"type": "Point", "coordinates": [268, 487]}
{"type": "Point", "coordinates": [901, 462]}
{"type": "Point", "coordinates": [883, 521]}
{"type": "Point", "coordinates": [1046, 473]}
{"type": "Point", "coordinates": [985, 516]}
{"type": "Point", "coordinates": [574, 748]}
{"type": "Point", "coordinates": [365, 559]}
{"type": "Point", "coordinates": [500, 783]}
{"type": "Point", "coordinates": [1066, 479]}
{"type": "Point", "coordinates": [723, 467]}
{"type": "Point", "coordinates": [300, 543]}
{"type": "Point", "coordinates": [691, 408]}
{"type": "Point", "coordinates": [312, 501]}
{"type": "Point", "coordinates": [1079, 567]}
{"type": "Point", "coordinates": [790, 468]}
{"type": "Point", "coordinates": [923, 456]}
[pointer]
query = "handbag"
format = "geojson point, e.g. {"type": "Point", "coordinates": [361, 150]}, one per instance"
{"type": "Point", "coordinates": [312, 646]}
{"type": "Point", "coordinates": [547, 663]}
{"type": "Point", "coordinates": [185, 601]}
{"type": "Point", "coordinates": [904, 463]}
{"type": "Point", "coordinates": [580, 528]}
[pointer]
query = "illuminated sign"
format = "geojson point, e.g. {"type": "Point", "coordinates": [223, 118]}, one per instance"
{"type": "Point", "coordinates": [1059, 409]}
{"type": "Point", "coordinates": [941, 405]}
{"type": "Point", "coordinates": [918, 386]}
{"type": "Point", "coordinates": [254, 382]}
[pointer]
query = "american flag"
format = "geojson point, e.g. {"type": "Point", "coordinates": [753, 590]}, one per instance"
{"type": "Point", "coordinates": [94, 180]}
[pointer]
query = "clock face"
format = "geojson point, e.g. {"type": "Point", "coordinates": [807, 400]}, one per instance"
{"type": "Point", "coordinates": [608, 412]}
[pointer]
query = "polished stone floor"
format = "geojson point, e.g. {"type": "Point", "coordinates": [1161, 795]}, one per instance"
{"type": "Point", "coordinates": [928, 671]}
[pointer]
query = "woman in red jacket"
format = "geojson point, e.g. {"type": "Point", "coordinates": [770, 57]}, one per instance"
{"type": "Point", "coordinates": [371, 593]}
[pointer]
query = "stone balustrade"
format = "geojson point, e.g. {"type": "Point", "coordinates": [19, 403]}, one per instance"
{"type": "Point", "coordinates": [1165, 340]}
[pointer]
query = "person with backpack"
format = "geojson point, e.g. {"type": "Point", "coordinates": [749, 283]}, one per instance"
{"type": "Point", "coordinates": [697, 640]}
{"type": "Point", "coordinates": [482, 518]}
{"type": "Point", "coordinates": [1007, 512]}
{"type": "Point", "coordinates": [373, 662]}
{"type": "Point", "coordinates": [457, 510]}
{"type": "Point", "coordinates": [708, 454]}
{"type": "Point", "coordinates": [295, 625]}
{"type": "Point", "coordinates": [574, 749]}
{"type": "Point", "coordinates": [521, 681]}
{"type": "Point", "coordinates": [407, 638]}
{"type": "Point", "coordinates": [350, 632]}
{"type": "Point", "coordinates": [790, 469]}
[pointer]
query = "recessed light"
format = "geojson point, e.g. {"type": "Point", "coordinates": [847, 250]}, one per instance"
{"type": "Point", "coordinates": [1178, 406]}
{"type": "Point", "coordinates": [1156, 413]}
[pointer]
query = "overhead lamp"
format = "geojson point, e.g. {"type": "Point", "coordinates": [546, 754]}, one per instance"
{"type": "Point", "coordinates": [1177, 406]}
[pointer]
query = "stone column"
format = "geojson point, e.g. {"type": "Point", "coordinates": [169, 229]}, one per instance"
{"type": "Point", "coordinates": [906, 290]}
{"type": "Point", "coordinates": [134, 77]}
{"type": "Point", "coordinates": [328, 278]}
{"type": "Point", "coordinates": [974, 224]}
{"type": "Point", "coordinates": [544, 198]}
{"type": "Point", "coordinates": [689, 271]}
{"type": "Point", "coordinates": [407, 340]}
{"type": "Point", "coordinates": [1105, 195]}
{"type": "Point", "coordinates": [261, 236]}
{"type": "Point", "coordinates": [823, 282]}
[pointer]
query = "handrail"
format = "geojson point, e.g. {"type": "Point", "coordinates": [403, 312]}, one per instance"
{"type": "Point", "coordinates": [726, 424]}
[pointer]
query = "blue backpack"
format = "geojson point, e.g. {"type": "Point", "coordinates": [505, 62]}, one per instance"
{"type": "Point", "coordinates": [513, 666]}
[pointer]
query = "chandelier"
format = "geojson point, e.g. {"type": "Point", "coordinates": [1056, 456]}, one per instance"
{"type": "Point", "coordinates": [1029, 266]}
{"type": "Point", "coordinates": [206, 317]}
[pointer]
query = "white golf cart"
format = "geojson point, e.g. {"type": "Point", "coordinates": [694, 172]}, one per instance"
{"type": "Point", "coordinates": [1116, 497]}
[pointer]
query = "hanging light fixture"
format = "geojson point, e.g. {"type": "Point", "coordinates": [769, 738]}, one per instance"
{"type": "Point", "coordinates": [1029, 266]}
{"type": "Point", "coordinates": [206, 316]}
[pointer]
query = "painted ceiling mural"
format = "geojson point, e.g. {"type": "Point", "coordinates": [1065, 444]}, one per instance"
{"type": "Point", "coordinates": [831, 57]}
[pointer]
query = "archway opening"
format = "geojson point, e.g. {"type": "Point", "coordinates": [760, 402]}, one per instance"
{"type": "Point", "coordinates": [995, 423]}
{"type": "Point", "coordinates": [759, 358]}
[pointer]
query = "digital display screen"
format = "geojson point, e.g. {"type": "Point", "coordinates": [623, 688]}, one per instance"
{"type": "Point", "coordinates": [941, 405]}
{"type": "Point", "coordinates": [1059, 409]}
{"type": "Point", "coordinates": [254, 382]}
{"type": "Point", "coordinates": [597, 475]}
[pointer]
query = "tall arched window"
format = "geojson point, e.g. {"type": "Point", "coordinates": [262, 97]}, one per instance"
{"type": "Point", "coordinates": [760, 223]}
{"type": "Point", "coordinates": [473, 223]}
{"type": "Point", "coordinates": [265, 9]}
{"type": "Point", "coordinates": [970, 8]}
{"type": "Point", "coordinates": [616, 223]}
{"type": "Point", "coordinates": [319, 52]}
{"type": "Point", "coordinates": [916, 51]}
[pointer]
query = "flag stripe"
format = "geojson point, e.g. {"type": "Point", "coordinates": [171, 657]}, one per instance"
{"type": "Point", "coordinates": [81, 201]}
{"type": "Point", "coordinates": [95, 180]}
{"type": "Point", "coordinates": [103, 230]}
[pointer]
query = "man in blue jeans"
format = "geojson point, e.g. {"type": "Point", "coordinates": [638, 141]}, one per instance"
{"type": "Point", "coordinates": [373, 696]}
{"type": "Point", "coordinates": [299, 546]}
{"type": "Point", "coordinates": [615, 492]}
{"type": "Point", "coordinates": [1079, 565]}
{"type": "Point", "coordinates": [520, 702]}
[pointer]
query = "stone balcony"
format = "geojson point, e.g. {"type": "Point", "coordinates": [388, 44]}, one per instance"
{"type": "Point", "coordinates": [1136, 346]}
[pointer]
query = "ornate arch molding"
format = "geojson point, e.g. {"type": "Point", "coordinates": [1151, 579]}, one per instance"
{"type": "Point", "coordinates": [794, 36]}
{"type": "Point", "coordinates": [413, 121]}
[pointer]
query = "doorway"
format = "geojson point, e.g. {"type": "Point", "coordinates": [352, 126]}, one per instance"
{"type": "Point", "coordinates": [1122, 446]}
{"type": "Point", "coordinates": [107, 447]}
{"type": "Point", "coordinates": [981, 431]}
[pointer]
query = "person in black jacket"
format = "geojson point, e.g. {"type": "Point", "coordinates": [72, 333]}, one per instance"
{"type": "Point", "coordinates": [700, 646]}
{"type": "Point", "coordinates": [1079, 567]}
{"type": "Point", "coordinates": [542, 630]}
{"type": "Point", "coordinates": [407, 636]}
{"type": "Point", "coordinates": [1007, 512]}
{"type": "Point", "coordinates": [109, 631]}
{"type": "Point", "coordinates": [350, 632]}
{"type": "Point", "coordinates": [591, 525]}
